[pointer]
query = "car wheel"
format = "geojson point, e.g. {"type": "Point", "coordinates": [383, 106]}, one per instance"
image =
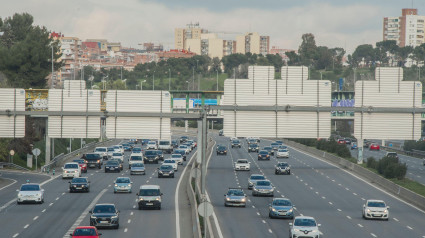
{"type": "Point", "coordinates": [159, 207]}
{"type": "Point", "coordinates": [289, 173]}
{"type": "Point", "coordinates": [140, 207]}
{"type": "Point", "coordinates": [225, 204]}
{"type": "Point", "coordinates": [115, 191]}
{"type": "Point", "coordinates": [118, 226]}
{"type": "Point", "coordinates": [173, 176]}
{"type": "Point", "coordinates": [91, 224]}
{"type": "Point", "coordinates": [106, 171]}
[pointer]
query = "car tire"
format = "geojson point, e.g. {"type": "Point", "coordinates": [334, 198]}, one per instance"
{"type": "Point", "coordinates": [115, 191]}
{"type": "Point", "coordinates": [140, 207]}
{"type": "Point", "coordinates": [289, 173]}
{"type": "Point", "coordinates": [173, 176]}
{"type": "Point", "coordinates": [159, 207]}
{"type": "Point", "coordinates": [117, 226]}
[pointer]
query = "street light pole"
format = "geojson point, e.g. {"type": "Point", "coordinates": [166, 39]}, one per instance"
{"type": "Point", "coordinates": [141, 84]}
{"type": "Point", "coordinates": [153, 81]}
{"type": "Point", "coordinates": [53, 69]}
{"type": "Point", "coordinates": [169, 79]}
{"type": "Point", "coordinates": [217, 79]}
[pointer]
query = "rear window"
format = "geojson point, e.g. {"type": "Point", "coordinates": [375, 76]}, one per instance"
{"type": "Point", "coordinates": [30, 187]}
{"type": "Point", "coordinates": [71, 166]}
{"type": "Point", "coordinates": [104, 209]}
{"type": "Point", "coordinates": [100, 150]}
{"type": "Point", "coordinates": [111, 149]}
{"type": "Point", "coordinates": [176, 156]}
{"type": "Point", "coordinates": [116, 154]}
{"type": "Point", "coordinates": [136, 158]}
{"type": "Point", "coordinates": [150, 152]}
{"type": "Point", "coordinates": [149, 192]}
{"type": "Point", "coordinates": [164, 142]}
{"type": "Point", "coordinates": [92, 156]}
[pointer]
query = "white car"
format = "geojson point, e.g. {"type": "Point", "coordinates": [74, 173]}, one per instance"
{"type": "Point", "coordinates": [102, 151]}
{"type": "Point", "coordinates": [118, 148]}
{"type": "Point", "coordinates": [118, 156]}
{"type": "Point", "coordinates": [152, 145]}
{"type": "Point", "coordinates": [242, 164]}
{"type": "Point", "coordinates": [233, 138]}
{"type": "Point", "coordinates": [282, 153]}
{"type": "Point", "coordinates": [135, 158]}
{"type": "Point", "coordinates": [171, 162]}
{"type": "Point", "coordinates": [376, 209]}
{"type": "Point", "coordinates": [30, 192]}
{"type": "Point", "coordinates": [178, 158]}
{"type": "Point", "coordinates": [185, 148]}
{"type": "Point", "coordinates": [305, 227]}
{"type": "Point", "coordinates": [71, 170]}
{"type": "Point", "coordinates": [110, 151]}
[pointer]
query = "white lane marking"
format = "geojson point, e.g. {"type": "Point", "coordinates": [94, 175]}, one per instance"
{"type": "Point", "coordinates": [129, 221]}
{"type": "Point", "coordinates": [109, 185]}
{"type": "Point", "coordinates": [410, 228]}
{"type": "Point", "coordinates": [50, 204]}
{"type": "Point", "coordinates": [92, 174]}
{"type": "Point", "coordinates": [270, 231]}
{"type": "Point", "coordinates": [355, 194]}
{"type": "Point", "coordinates": [395, 219]}
{"type": "Point", "coordinates": [363, 199]}
{"type": "Point", "coordinates": [339, 210]}
{"type": "Point", "coordinates": [264, 221]}
{"type": "Point", "coordinates": [253, 206]}
{"type": "Point", "coordinates": [15, 235]}
{"type": "Point", "coordinates": [176, 199]}
{"type": "Point", "coordinates": [347, 189]}
{"type": "Point", "coordinates": [43, 210]}
{"type": "Point", "coordinates": [63, 194]}
{"type": "Point", "coordinates": [349, 217]}
{"type": "Point", "coordinates": [84, 214]}
{"type": "Point", "coordinates": [323, 197]}
{"type": "Point", "coordinates": [131, 214]}
{"type": "Point", "coordinates": [26, 226]}
{"type": "Point", "coordinates": [125, 230]}
{"type": "Point", "coordinates": [330, 203]}
{"type": "Point", "coordinates": [57, 198]}
{"type": "Point", "coordinates": [14, 181]}
{"type": "Point", "coordinates": [35, 218]}
{"type": "Point", "coordinates": [360, 225]}
{"type": "Point", "coordinates": [134, 206]}
{"type": "Point", "coordinates": [258, 213]}
{"type": "Point", "coordinates": [373, 235]}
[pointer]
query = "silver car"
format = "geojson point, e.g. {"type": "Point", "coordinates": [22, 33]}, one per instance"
{"type": "Point", "coordinates": [31, 193]}
{"type": "Point", "coordinates": [304, 226]}
{"type": "Point", "coordinates": [137, 168]}
{"type": "Point", "coordinates": [263, 188]}
{"type": "Point", "coordinates": [253, 178]}
{"type": "Point", "coordinates": [235, 197]}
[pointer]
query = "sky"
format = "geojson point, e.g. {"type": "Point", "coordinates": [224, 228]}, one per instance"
{"type": "Point", "coordinates": [334, 23]}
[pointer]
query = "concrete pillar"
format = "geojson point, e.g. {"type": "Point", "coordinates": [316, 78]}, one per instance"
{"type": "Point", "coordinates": [360, 151]}
{"type": "Point", "coordinates": [48, 148]}
{"type": "Point", "coordinates": [186, 125]}
{"type": "Point", "coordinates": [383, 142]}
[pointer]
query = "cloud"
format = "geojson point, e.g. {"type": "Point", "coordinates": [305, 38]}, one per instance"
{"type": "Point", "coordinates": [134, 21]}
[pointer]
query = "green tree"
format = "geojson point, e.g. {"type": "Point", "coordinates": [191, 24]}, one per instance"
{"type": "Point", "coordinates": [308, 49]}
{"type": "Point", "coordinates": [402, 54]}
{"type": "Point", "coordinates": [25, 52]}
{"type": "Point", "coordinates": [294, 58]}
{"type": "Point", "coordinates": [324, 58]}
{"type": "Point", "coordinates": [364, 53]}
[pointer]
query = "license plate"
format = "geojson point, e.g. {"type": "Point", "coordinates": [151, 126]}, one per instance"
{"type": "Point", "coordinates": [149, 203]}
{"type": "Point", "coordinates": [78, 188]}
{"type": "Point", "coordinates": [104, 222]}
{"type": "Point", "coordinates": [282, 213]}
{"type": "Point", "coordinates": [111, 168]}
{"type": "Point", "coordinates": [150, 160]}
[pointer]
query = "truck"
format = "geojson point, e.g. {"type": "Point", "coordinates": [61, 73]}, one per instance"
{"type": "Point", "coordinates": [165, 145]}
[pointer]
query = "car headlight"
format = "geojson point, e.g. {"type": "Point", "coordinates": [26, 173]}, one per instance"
{"type": "Point", "coordinates": [114, 217]}
{"type": "Point", "coordinates": [92, 217]}
{"type": "Point", "coordinates": [385, 211]}
{"type": "Point", "coordinates": [255, 189]}
{"type": "Point", "coordinates": [171, 171]}
{"type": "Point", "coordinates": [74, 185]}
{"type": "Point", "coordinates": [273, 209]}
{"type": "Point", "coordinates": [290, 210]}
{"type": "Point", "coordinates": [98, 160]}
{"type": "Point", "coordinates": [368, 210]}
{"type": "Point", "coordinates": [158, 199]}
{"type": "Point", "coordinates": [141, 199]}
{"type": "Point", "coordinates": [227, 199]}
{"type": "Point", "coordinates": [159, 171]}
{"type": "Point", "coordinates": [20, 195]}
{"type": "Point", "coordinates": [116, 185]}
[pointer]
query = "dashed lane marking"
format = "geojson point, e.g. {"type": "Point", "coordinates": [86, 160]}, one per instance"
{"type": "Point", "coordinates": [35, 218]}
{"type": "Point", "coordinates": [26, 226]}
{"type": "Point", "coordinates": [360, 225]}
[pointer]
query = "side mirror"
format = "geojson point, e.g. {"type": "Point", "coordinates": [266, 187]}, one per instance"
{"type": "Point", "coordinates": [388, 207]}
{"type": "Point", "coordinates": [90, 212]}
{"type": "Point", "coordinates": [224, 194]}
{"type": "Point", "coordinates": [319, 224]}
{"type": "Point", "coordinates": [290, 223]}
{"type": "Point", "coordinates": [162, 194]}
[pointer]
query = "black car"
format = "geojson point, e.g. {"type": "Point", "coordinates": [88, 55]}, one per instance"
{"type": "Point", "coordinates": [236, 143]}
{"type": "Point", "coordinates": [105, 215]}
{"type": "Point", "coordinates": [112, 165]}
{"type": "Point", "coordinates": [182, 152]}
{"type": "Point", "coordinates": [183, 139]}
{"type": "Point", "coordinates": [160, 154]}
{"type": "Point", "coordinates": [174, 143]}
{"type": "Point", "coordinates": [269, 149]}
{"type": "Point", "coordinates": [93, 160]}
{"type": "Point", "coordinates": [263, 155]}
{"type": "Point", "coordinates": [220, 133]}
{"type": "Point", "coordinates": [151, 156]}
{"type": "Point", "coordinates": [166, 171]}
{"type": "Point", "coordinates": [253, 147]}
{"type": "Point", "coordinates": [282, 168]}
{"type": "Point", "coordinates": [221, 150]}
{"type": "Point", "coordinates": [348, 141]}
{"type": "Point", "coordinates": [80, 184]}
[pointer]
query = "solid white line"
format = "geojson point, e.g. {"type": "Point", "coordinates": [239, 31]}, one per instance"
{"type": "Point", "coordinates": [395, 219]}
{"type": "Point", "coordinates": [35, 218]}
{"type": "Point", "coordinates": [339, 210]}
{"type": "Point", "coordinates": [410, 228]}
{"type": "Point", "coordinates": [349, 217]}
{"type": "Point", "coordinates": [50, 204]}
{"type": "Point", "coordinates": [131, 214]}
{"type": "Point", "coordinates": [176, 197]}
{"type": "Point", "coordinates": [258, 213]}
{"type": "Point", "coordinates": [14, 181]}
{"type": "Point", "coordinates": [129, 221]}
{"type": "Point", "coordinates": [270, 231]}
{"type": "Point", "coordinates": [264, 221]}
{"type": "Point", "coordinates": [15, 235]}
{"type": "Point", "coordinates": [43, 210]}
{"type": "Point", "coordinates": [360, 225]}
{"type": "Point", "coordinates": [26, 226]}
{"type": "Point", "coordinates": [84, 214]}
{"type": "Point", "coordinates": [373, 235]}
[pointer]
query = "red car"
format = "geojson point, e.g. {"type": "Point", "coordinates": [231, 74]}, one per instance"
{"type": "Point", "coordinates": [341, 141]}
{"type": "Point", "coordinates": [83, 165]}
{"type": "Point", "coordinates": [85, 232]}
{"type": "Point", "coordinates": [374, 147]}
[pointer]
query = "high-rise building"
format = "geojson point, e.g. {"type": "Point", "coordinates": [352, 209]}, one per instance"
{"type": "Point", "coordinates": [182, 35]}
{"type": "Point", "coordinates": [253, 43]}
{"type": "Point", "coordinates": [406, 30]}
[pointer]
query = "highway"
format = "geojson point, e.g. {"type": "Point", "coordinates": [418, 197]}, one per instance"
{"type": "Point", "coordinates": [331, 195]}
{"type": "Point", "coordinates": [415, 167]}
{"type": "Point", "coordinates": [63, 211]}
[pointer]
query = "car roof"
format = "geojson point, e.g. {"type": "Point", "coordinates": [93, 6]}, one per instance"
{"type": "Point", "coordinates": [304, 217]}
{"type": "Point", "coordinates": [281, 199]}
{"type": "Point", "coordinates": [149, 187]}
{"type": "Point", "coordinates": [256, 175]}
{"type": "Point", "coordinates": [242, 160]}
{"type": "Point", "coordinates": [374, 200]}
{"type": "Point", "coordinates": [71, 163]}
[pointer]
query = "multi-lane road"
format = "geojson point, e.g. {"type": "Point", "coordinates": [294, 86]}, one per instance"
{"type": "Point", "coordinates": [317, 188]}
{"type": "Point", "coordinates": [63, 211]}
{"type": "Point", "coordinates": [331, 195]}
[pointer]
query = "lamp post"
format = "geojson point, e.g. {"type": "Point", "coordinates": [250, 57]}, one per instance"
{"type": "Point", "coordinates": [125, 83]}
{"type": "Point", "coordinates": [141, 84]}
{"type": "Point", "coordinates": [217, 79]}
{"type": "Point", "coordinates": [197, 75]}
{"type": "Point", "coordinates": [137, 86]}
{"type": "Point", "coordinates": [153, 81]}
{"type": "Point", "coordinates": [187, 85]}
{"type": "Point", "coordinates": [169, 79]}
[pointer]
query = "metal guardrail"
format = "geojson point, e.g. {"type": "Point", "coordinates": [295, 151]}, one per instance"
{"type": "Point", "coordinates": [15, 166]}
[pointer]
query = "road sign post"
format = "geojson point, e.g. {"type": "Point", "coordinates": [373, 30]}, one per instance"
{"type": "Point", "coordinates": [12, 153]}
{"type": "Point", "coordinates": [36, 152]}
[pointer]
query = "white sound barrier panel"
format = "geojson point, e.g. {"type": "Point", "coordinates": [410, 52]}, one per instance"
{"type": "Point", "coordinates": [12, 99]}
{"type": "Point", "coordinates": [69, 100]}
{"type": "Point", "coordinates": [138, 127]}
{"type": "Point", "coordinates": [388, 90]}
{"type": "Point", "coordinates": [293, 89]}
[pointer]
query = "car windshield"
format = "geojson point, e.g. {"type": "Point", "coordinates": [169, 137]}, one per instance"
{"type": "Point", "coordinates": [100, 150]}
{"type": "Point", "coordinates": [183, 146]}
{"type": "Point", "coordinates": [235, 192]}
{"type": "Point", "coordinates": [263, 183]}
{"type": "Point", "coordinates": [166, 167]}
{"type": "Point", "coordinates": [180, 151]}
{"type": "Point", "coordinates": [84, 232]}
{"type": "Point", "coordinates": [92, 156]}
{"type": "Point", "coordinates": [252, 145]}
{"type": "Point", "coordinates": [30, 187]}
{"type": "Point", "coordinates": [112, 162]}
{"type": "Point", "coordinates": [282, 164]}
{"type": "Point", "coordinates": [122, 180]}
{"type": "Point", "coordinates": [79, 180]}
{"type": "Point", "coordinates": [242, 162]}
{"type": "Point", "coordinates": [159, 152]}
{"type": "Point", "coordinates": [104, 209]}
{"type": "Point", "coordinates": [376, 204]}
{"type": "Point", "coordinates": [304, 222]}
{"type": "Point", "coordinates": [222, 148]}
{"type": "Point", "coordinates": [235, 141]}
{"type": "Point", "coordinates": [283, 147]}
{"type": "Point", "coordinates": [116, 147]}
{"type": "Point", "coordinates": [257, 177]}
{"type": "Point", "coordinates": [264, 152]}
{"type": "Point", "coordinates": [152, 143]}
{"type": "Point", "coordinates": [71, 166]}
{"type": "Point", "coordinates": [80, 161]}
{"type": "Point", "coordinates": [149, 192]}
{"type": "Point", "coordinates": [268, 148]}
{"type": "Point", "coordinates": [136, 158]}
{"type": "Point", "coordinates": [150, 152]}
{"type": "Point", "coordinates": [116, 154]}
{"type": "Point", "coordinates": [137, 149]}
{"type": "Point", "coordinates": [138, 165]}
{"type": "Point", "coordinates": [274, 144]}
{"type": "Point", "coordinates": [280, 202]}
{"type": "Point", "coordinates": [111, 149]}
{"type": "Point", "coordinates": [283, 150]}
{"type": "Point", "coordinates": [176, 156]}
{"type": "Point", "coordinates": [164, 142]}
{"type": "Point", "coordinates": [169, 161]}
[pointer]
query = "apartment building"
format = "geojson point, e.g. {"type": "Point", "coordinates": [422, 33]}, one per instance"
{"type": "Point", "coordinates": [182, 35]}
{"type": "Point", "coordinates": [406, 30]}
{"type": "Point", "coordinates": [252, 42]}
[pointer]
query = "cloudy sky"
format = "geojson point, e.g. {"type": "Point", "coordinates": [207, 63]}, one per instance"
{"type": "Point", "coordinates": [335, 23]}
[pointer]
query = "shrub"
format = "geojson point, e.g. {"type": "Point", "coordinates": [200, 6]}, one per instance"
{"type": "Point", "coordinates": [372, 163]}
{"type": "Point", "coordinates": [390, 167]}
{"type": "Point", "coordinates": [385, 162]}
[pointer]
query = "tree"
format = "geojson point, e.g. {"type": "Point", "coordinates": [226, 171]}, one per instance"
{"type": "Point", "coordinates": [308, 49]}
{"type": "Point", "coordinates": [385, 50]}
{"type": "Point", "coordinates": [25, 52]}
{"type": "Point", "coordinates": [294, 58]}
{"type": "Point", "coordinates": [402, 54]}
{"type": "Point", "coordinates": [324, 58]}
{"type": "Point", "coordinates": [275, 60]}
{"type": "Point", "coordinates": [364, 53]}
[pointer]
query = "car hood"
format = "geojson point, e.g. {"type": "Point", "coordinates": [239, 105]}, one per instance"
{"type": "Point", "coordinates": [171, 164]}
{"type": "Point", "coordinates": [149, 198]}
{"type": "Point", "coordinates": [112, 165]}
{"type": "Point", "coordinates": [306, 229]}
{"type": "Point", "coordinates": [30, 192]}
{"type": "Point", "coordinates": [242, 164]}
{"type": "Point", "coordinates": [70, 170]}
{"type": "Point", "coordinates": [283, 167]}
{"type": "Point", "coordinates": [137, 168]}
{"type": "Point", "coordinates": [104, 214]}
{"type": "Point", "coordinates": [377, 209]}
{"type": "Point", "coordinates": [150, 156]}
{"type": "Point", "coordinates": [263, 187]}
{"type": "Point", "coordinates": [166, 170]}
{"type": "Point", "coordinates": [235, 197]}
{"type": "Point", "coordinates": [123, 184]}
{"type": "Point", "coordinates": [284, 208]}
{"type": "Point", "coordinates": [78, 183]}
